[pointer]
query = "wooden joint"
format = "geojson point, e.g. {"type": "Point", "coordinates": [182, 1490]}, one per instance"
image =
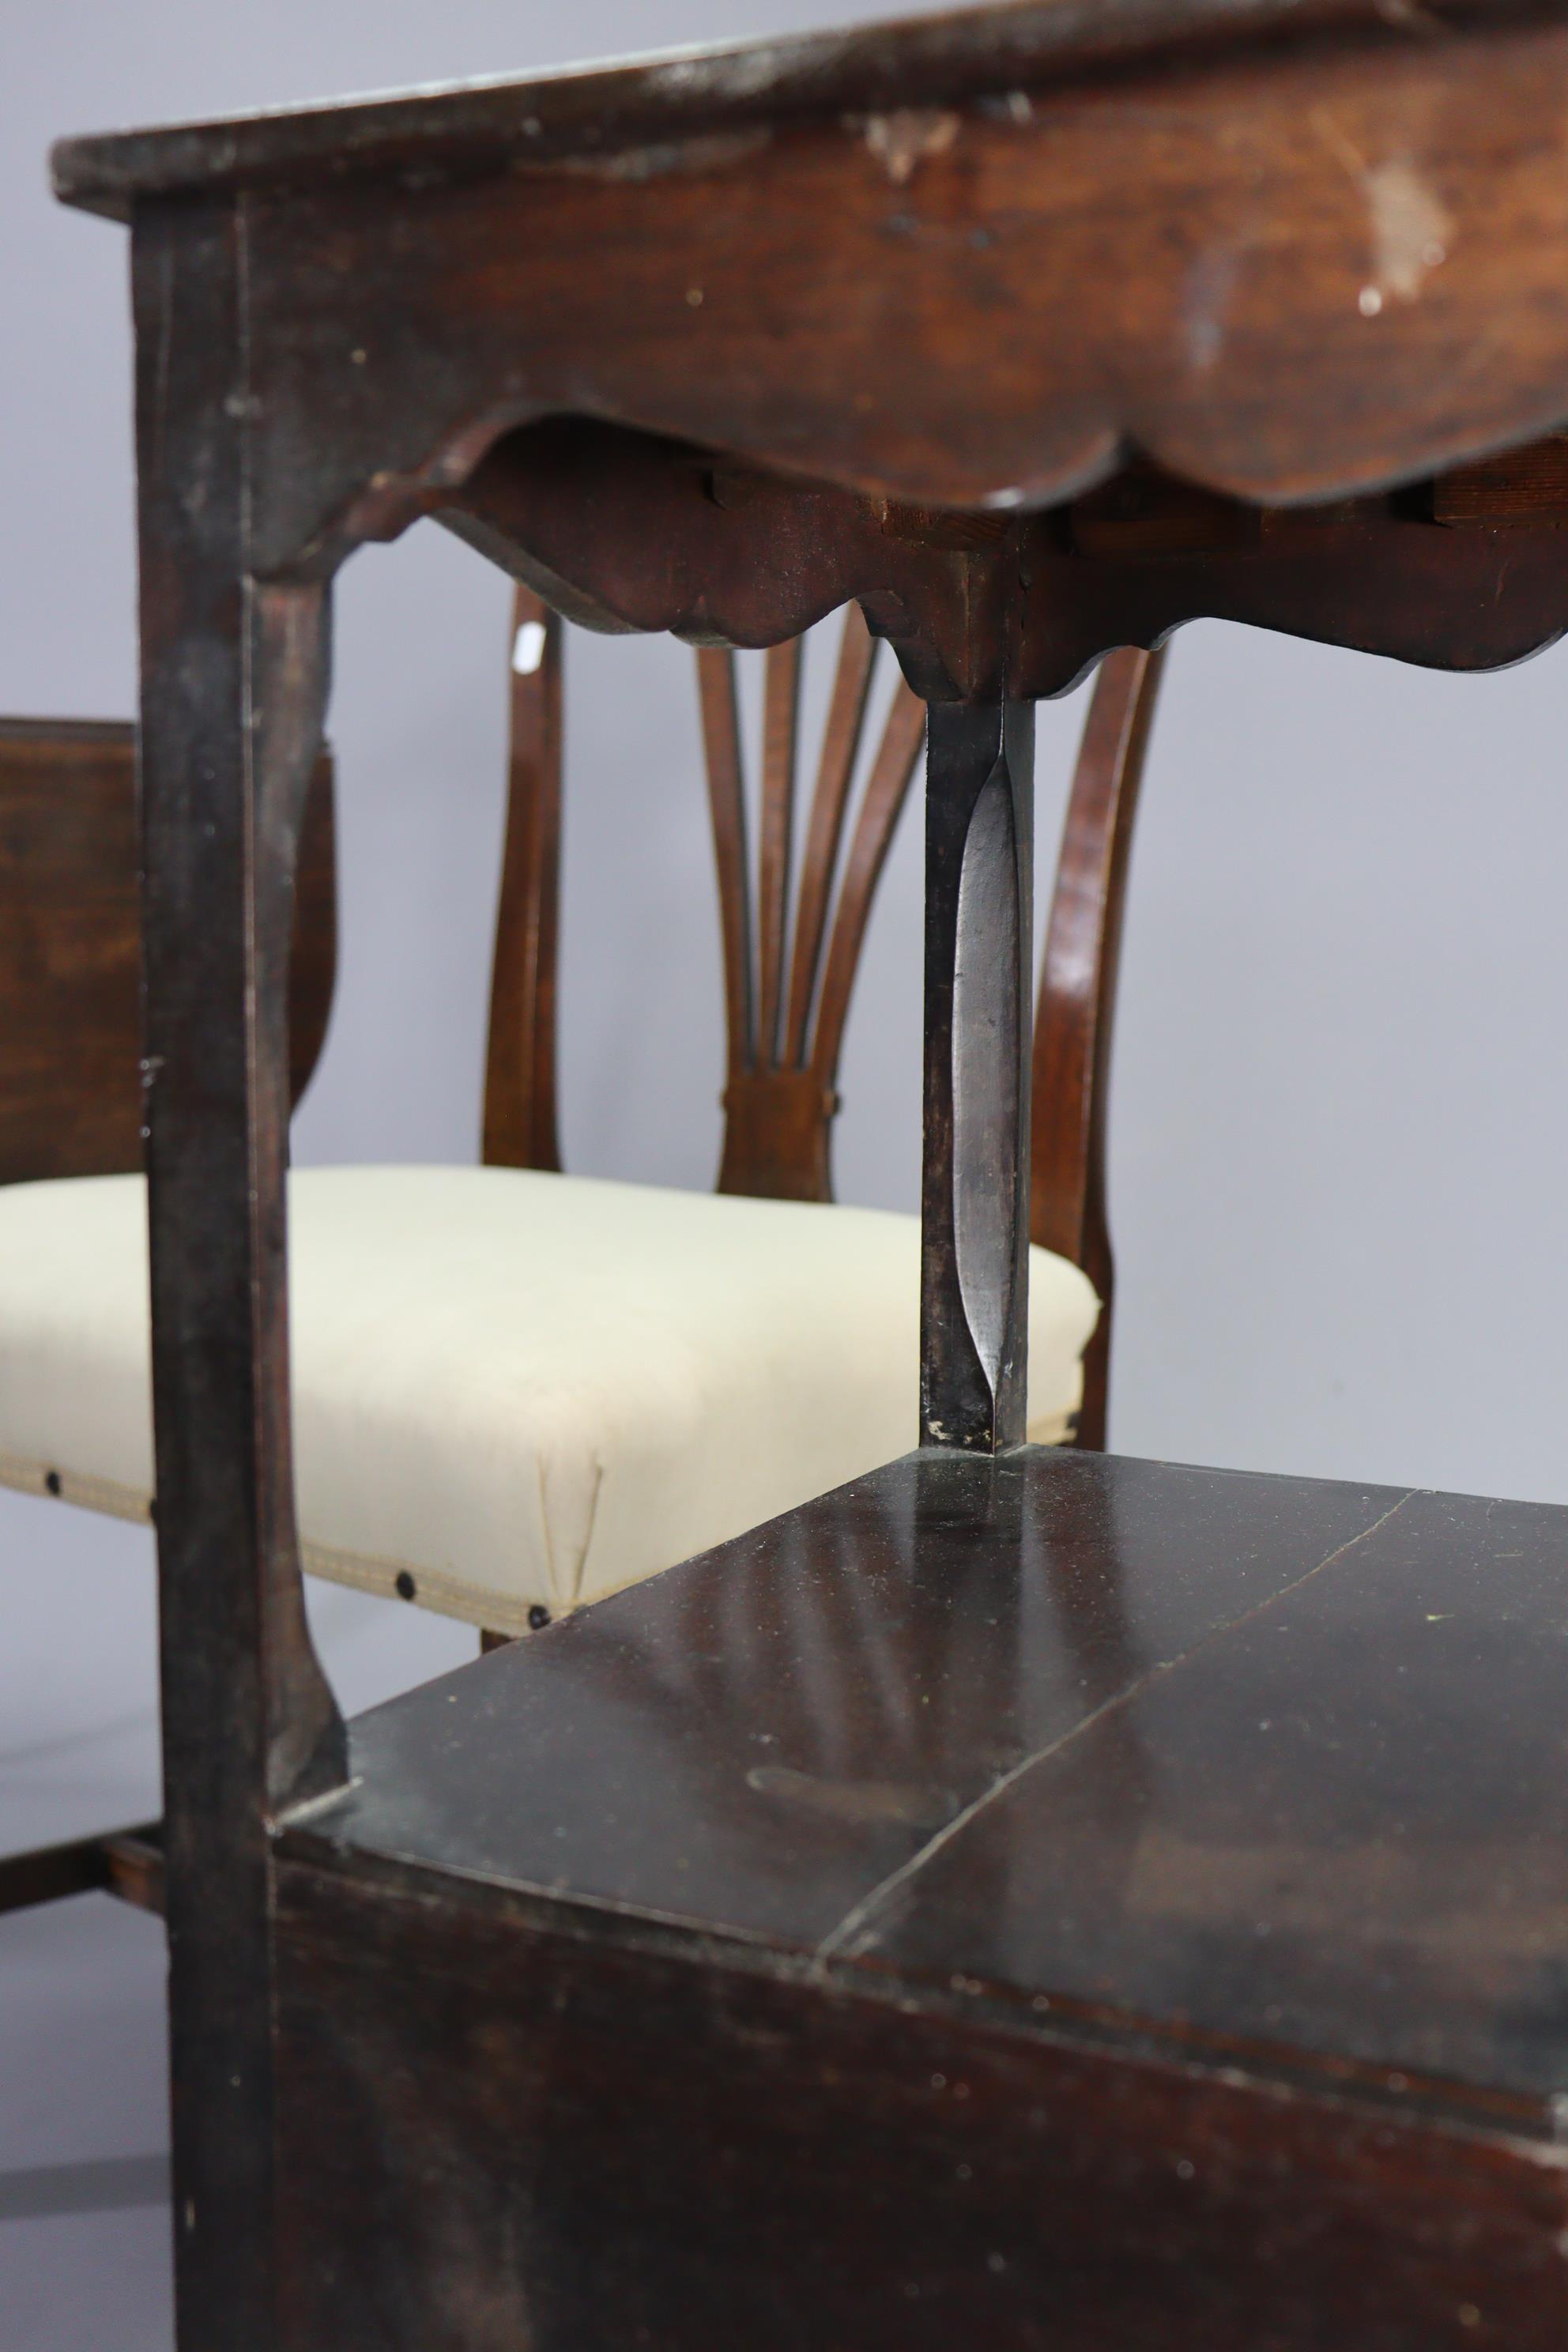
{"type": "Point", "coordinates": [134, 1868]}
{"type": "Point", "coordinates": [126, 1863]}
{"type": "Point", "coordinates": [941, 526]}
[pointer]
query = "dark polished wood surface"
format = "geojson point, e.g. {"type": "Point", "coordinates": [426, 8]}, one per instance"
{"type": "Point", "coordinates": [1061, 1901]}
{"type": "Point", "coordinates": [1280, 255]}
{"type": "Point", "coordinates": [498, 2128]}
{"type": "Point", "coordinates": [71, 927]}
{"type": "Point", "coordinates": [1276, 1769]}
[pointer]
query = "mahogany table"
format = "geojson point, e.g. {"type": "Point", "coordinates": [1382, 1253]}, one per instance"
{"type": "Point", "coordinates": [1025, 1899]}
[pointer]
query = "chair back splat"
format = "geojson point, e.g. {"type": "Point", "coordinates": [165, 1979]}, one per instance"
{"type": "Point", "coordinates": [787, 993]}
{"type": "Point", "coordinates": [788, 984]}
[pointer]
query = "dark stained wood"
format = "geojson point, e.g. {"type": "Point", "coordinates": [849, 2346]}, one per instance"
{"type": "Point", "coordinates": [234, 675]}
{"type": "Point", "coordinates": [975, 1199]}
{"type": "Point", "coordinates": [886, 789]}
{"type": "Point", "coordinates": [1141, 511]}
{"type": "Point", "coordinates": [1522, 486]}
{"type": "Point", "coordinates": [69, 947]}
{"type": "Point", "coordinates": [897, 2178]}
{"type": "Point", "coordinates": [70, 1052]}
{"type": "Point", "coordinates": [1348, 221]}
{"type": "Point", "coordinates": [743, 1744]}
{"type": "Point", "coordinates": [915, 1992]}
{"type": "Point", "coordinates": [1075, 1013]}
{"type": "Point", "coordinates": [121, 1864]}
{"type": "Point", "coordinates": [748, 558]}
{"type": "Point", "coordinates": [727, 808]}
{"type": "Point", "coordinates": [1034, 600]}
{"type": "Point", "coordinates": [133, 1867]}
{"type": "Point", "coordinates": [1411, 1915]}
{"type": "Point", "coordinates": [840, 744]}
{"type": "Point", "coordinates": [1105, 1898]}
{"type": "Point", "coordinates": [786, 1010]}
{"type": "Point", "coordinates": [962, 54]}
{"type": "Point", "coordinates": [1372, 575]}
{"type": "Point", "coordinates": [519, 1123]}
{"type": "Point", "coordinates": [781, 726]}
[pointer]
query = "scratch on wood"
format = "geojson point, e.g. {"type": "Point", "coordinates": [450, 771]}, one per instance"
{"type": "Point", "coordinates": [1411, 227]}
{"type": "Point", "coordinates": [661, 161]}
{"type": "Point", "coordinates": [856, 1932]}
{"type": "Point", "coordinates": [908, 136]}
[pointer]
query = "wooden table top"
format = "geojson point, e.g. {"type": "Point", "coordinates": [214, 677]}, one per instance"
{"type": "Point", "coordinates": [714, 342]}
{"type": "Point", "coordinates": [945, 59]}
{"type": "Point", "coordinates": [1268, 1769]}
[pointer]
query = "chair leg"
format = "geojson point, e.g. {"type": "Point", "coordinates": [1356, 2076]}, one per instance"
{"type": "Point", "coordinates": [126, 1863]}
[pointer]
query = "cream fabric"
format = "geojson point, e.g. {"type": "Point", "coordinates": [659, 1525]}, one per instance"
{"type": "Point", "coordinates": [518, 1389]}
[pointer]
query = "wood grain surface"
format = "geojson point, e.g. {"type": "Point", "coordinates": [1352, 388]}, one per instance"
{"type": "Point", "coordinates": [1105, 1899]}
{"type": "Point", "coordinates": [70, 930]}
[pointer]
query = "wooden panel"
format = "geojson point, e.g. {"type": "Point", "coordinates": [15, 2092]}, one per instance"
{"type": "Point", "coordinates": [495, 2136]}
{"type": "Point", "coordinates": [1228, 1755]}
{"type": "Point", "coordinates": [570, 502]}
{"type": "Point", "coordinates": [519, 1125]}
{"type": "Point", "coordinates": [70, 1032]}
{"type": "Point", "coordinates": [1062, 1901]}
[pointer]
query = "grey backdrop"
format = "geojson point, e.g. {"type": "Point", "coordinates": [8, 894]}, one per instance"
{"type": "Point", "coordinates": [1338, 1127]}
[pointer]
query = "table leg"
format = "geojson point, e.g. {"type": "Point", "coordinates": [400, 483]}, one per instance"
{"type": "Point", "coordinates": [974, 1292]}
{"type": "Point", "coordinates": [234, 674]}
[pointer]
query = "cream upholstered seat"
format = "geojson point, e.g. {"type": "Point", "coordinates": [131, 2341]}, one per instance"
{"type": "Point", "coordinates": [513, 1391]}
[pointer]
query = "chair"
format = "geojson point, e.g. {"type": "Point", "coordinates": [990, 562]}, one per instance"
{"type": "Point", "coordinates": [438, 1311]}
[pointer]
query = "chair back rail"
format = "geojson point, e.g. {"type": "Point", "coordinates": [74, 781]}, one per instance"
{"type": "Point", "coordinates": [788, 988]}
{"type": "Point", "coordinates": [69, 947]}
